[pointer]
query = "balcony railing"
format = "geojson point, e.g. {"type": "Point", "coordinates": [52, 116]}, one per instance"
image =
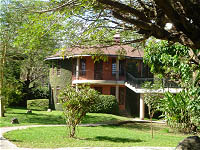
{"type": "Point", "coordinates": [138, 82]}
{"type": "Point", "coordinates": [98, 75]}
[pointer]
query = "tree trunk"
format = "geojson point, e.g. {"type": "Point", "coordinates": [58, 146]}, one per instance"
{"type": "Point", "coordinates": [72, 132]}
{"type": "Point", "coordinates": [2, 104]}
{"type": "Point", "coordinates": [151, 128]}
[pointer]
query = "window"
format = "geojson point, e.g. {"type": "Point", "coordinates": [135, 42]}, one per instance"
{"type": "Point", "coordinates": [99, 89]}
{"type": "Point", "coordinates": [59, 68]}
{"type": "Point", "coordinates": [98, 70]}
{"type": "Point", "coordinates": [121, 95]}
{"type": "Point", "coordinates": [112, 91]}
{"type": "Point", "coordinates": [57, 93]}
{"type": "Point", "coordinates": [114, 67]}
{"type": "Point", "coordinates": [83, 67]}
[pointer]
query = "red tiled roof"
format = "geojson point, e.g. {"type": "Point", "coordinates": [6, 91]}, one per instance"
{"type": "Point", "coordinates": [128, 51]}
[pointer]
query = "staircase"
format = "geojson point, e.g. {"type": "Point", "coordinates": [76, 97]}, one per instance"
{"type": "Point", "coordinates": [135, 84]}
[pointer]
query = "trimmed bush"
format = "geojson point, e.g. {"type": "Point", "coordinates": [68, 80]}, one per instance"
{"type": "Point", "coordinates": [38, 104]}
{"type": "Point", "coordinates": [106, 104]}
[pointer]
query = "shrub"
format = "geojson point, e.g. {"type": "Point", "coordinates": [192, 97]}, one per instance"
{"type": "Point", "coordinates": [38, 104]}
{"type": "Point", "coordinates": [76, 103]}
{"type": "Point", "coordinates": [106, 104]}
{"type": "Point", "coordinates": [182, 110]}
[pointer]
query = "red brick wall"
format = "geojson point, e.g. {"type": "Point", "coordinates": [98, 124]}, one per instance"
{"type": "Point", "coordinates": [107, 70]}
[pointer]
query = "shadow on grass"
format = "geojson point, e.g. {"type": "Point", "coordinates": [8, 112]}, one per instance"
{"type": "Point", "coordinates": [115, 139]}
{"type": "Point", "coordinates": [34, 118]}
{"type": "Point", "coordinates": [44, 119]}
{"type": "Point", "coordinates": [143, 126]}
{"type": "Point", "coordinates": [15, 141]}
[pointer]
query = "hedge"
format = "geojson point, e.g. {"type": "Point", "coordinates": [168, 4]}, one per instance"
{"type": "Point", "coordinates": [106, 104]}
{"type": "Point", "coordinates": [38, 104]}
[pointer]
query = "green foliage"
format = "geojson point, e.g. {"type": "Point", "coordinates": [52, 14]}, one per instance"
{"type": "Point", "coordinates": [40, 92]}
{"type": "Point", "coordinates": [13, 94]}
{"type": "Point", "coordinates": [38, 104]}
{"type": "Point", "coordinates": [76, 103]}
{"type": "Point", "coordinates": [27, 43]}
{"type": "Point", "coordinates": [182, 110]}
{"type": "Point", "coordinates": [105, 104]}
{"type": "Point", "coordinates": [194, 105]}
{"type": "Point", "coordinates": [174, 61]}
{"type": "Point", "coordinates": [170, 60]}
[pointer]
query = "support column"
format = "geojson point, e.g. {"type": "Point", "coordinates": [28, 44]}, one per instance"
{"type": "Point", "coordinates": [117, 93]}
{"type": "Point", "coordinates": [117, 78]}
{"type": "Point", "coordinates": [77, 67]}
{"type": "Point", "coordinates": [142, 107]}
{"type": "Point", "coordinates": [117, 69]}
{"type": "Point", "coordinates": [77, 70]}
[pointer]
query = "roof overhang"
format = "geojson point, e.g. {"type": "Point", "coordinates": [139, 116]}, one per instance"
{"type": "Point", "coordinates": [74, 56]}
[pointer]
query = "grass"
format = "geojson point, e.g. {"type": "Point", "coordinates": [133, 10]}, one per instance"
{"type": "Point", "coordinates": [134, 134]}
{"type": "Point", "coordinates": [54, 117]}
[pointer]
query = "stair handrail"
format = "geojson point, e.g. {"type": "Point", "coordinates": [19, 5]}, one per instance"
{"type": "Point", "coordinates": [136, 82]}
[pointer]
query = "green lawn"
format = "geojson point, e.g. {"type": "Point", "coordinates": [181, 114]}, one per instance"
{"type": "Point", "coordinates": [134, 134]}
{"type": "Point", "coordinates": [54, 117]}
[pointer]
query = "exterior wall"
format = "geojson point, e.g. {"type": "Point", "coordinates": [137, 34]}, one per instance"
{"type": "Point", "coordinates": [106, 72]}
{"type": "Point", "coordinates": [130, 101]}
{"type": "Point", "coordinates": [57, 81]}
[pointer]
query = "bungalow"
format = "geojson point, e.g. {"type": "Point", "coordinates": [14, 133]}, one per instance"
{"type": "Point", "coordinates": [116, 70]}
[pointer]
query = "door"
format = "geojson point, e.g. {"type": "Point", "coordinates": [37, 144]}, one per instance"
{"type": "Point", "coordinates": [98, 70]}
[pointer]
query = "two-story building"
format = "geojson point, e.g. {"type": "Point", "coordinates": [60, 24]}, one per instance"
{"type": "Point", "coordinates": [116, 70]}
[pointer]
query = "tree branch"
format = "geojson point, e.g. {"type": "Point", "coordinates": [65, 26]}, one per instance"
{"type": "Point", "coordinates": [69, 3]}
{"type": "Point", "coordinates": [114, 5]}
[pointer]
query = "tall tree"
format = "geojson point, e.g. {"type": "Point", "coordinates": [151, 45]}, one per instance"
{"type": "Point", "coordinates": [146, 17]}
{"type": "Point", "coordinates": [137, 20]}
{"type": "Point", "coordinates": [8, 30]}
{"type": "Point", "coordinates": [31, 48]}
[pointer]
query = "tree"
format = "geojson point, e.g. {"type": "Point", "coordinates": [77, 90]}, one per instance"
{"type": "Point", "coordinates": [173, 61]}
{"type": "Point", "coordinates": [146, 17]}
{"type": "Point", "coordinates": [91, 22]}
{"type": "Point", "coordinates": [22, 58]}
{"type": "Point", "coordinates": [76, 103]}
{"type": "Point", "coordinates": [8, 29]}
{"type": "Point", "coordinates": [2, 60]}
{"type": "Point", "coordinates": [152, 99]}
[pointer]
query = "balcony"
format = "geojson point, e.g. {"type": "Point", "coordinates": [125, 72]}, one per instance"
{"type": "Point", "coordinates": [97, 77]}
